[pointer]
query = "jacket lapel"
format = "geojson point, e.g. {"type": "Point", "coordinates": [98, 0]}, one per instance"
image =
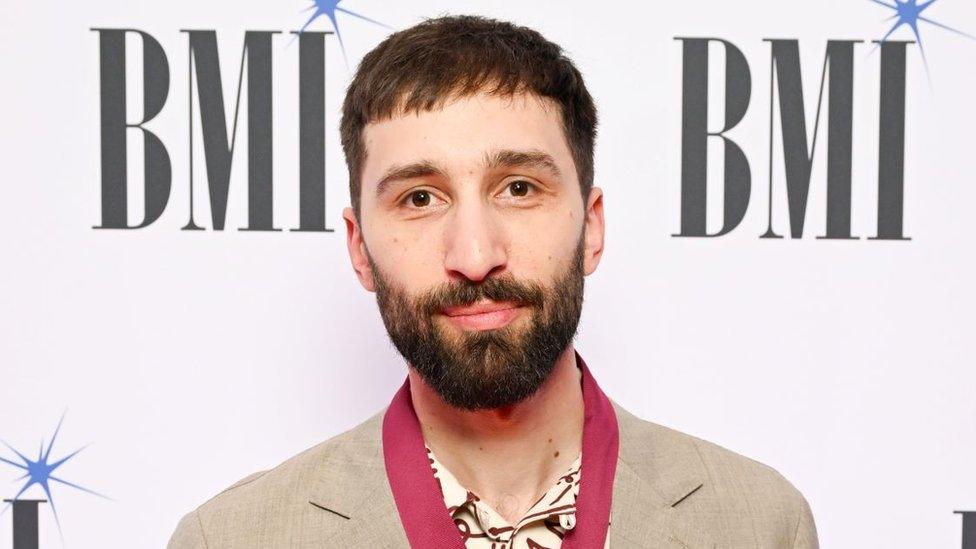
{"type": "Point", "coordinates": [350, 490]}
{"type": "Point", "coordinates": [653, 477]}
{"type": "Point", "coordinates": [375, 523]}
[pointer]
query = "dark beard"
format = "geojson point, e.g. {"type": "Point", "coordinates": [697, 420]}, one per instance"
{"type": "Point", "coordinates": [488, 368]}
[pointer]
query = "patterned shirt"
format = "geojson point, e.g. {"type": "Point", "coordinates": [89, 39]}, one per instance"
{"type": "Point", "coordinates": [542, 527]}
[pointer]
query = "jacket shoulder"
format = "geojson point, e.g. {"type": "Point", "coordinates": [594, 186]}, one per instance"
{"type": "Point", "coordinates": [251, 509]}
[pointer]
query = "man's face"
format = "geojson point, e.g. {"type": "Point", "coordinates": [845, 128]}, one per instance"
{"type": "Point", "coordinates": [475, 236]}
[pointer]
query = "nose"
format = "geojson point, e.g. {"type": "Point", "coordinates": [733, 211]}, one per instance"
{"type": "Point", "coordinates": [475, 243]}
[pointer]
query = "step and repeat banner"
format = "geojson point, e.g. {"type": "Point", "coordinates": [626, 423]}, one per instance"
{"type": "Point", "coordinates": [789, 267]}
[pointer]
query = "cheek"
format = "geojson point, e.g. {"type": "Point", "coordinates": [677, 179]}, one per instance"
{"type": "Point", "coordinates": [408, 258]}
{"type": "Point", "coordinates": [543, 257]}
{"type": "Point", "coordinates": [545, 245]}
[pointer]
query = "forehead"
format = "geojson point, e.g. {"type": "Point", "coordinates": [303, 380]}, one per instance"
{"type": "Point", "coordinates": [458, 135]}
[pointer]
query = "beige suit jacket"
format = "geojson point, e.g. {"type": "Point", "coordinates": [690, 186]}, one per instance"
{"type": "Point", "coordinates": [671, 491]}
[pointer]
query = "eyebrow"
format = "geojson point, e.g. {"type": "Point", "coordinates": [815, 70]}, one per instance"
{"type": "Point", "coordinates": [423, 168]}
{"type": "Point", "coordinates": [505, 158]}
{"type": "Point", "coordinates": [516, 159]}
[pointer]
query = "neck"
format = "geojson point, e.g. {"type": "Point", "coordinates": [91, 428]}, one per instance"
{"type": "Point", "coordinates": [508, 456]}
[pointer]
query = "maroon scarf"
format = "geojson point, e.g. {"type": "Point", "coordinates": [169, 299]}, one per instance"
{"type": "Point", "coordinates": [421, 505]}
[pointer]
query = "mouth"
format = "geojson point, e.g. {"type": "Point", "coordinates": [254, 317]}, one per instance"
{"type": "Point", "coordinates": [484, 315]}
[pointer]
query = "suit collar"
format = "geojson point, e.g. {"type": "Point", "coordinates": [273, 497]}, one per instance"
{"type": "Point", "coordinates": [655, 475]}
{"type": "Point", "coordinates": [352, 486]}
{"type": "Point", "coordinates": [672, 467]}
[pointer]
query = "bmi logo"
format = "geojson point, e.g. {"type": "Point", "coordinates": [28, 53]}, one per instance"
{"type": "Point", "coordinates": [208, 112]}
{"type": "Point", "coordinates": [834, 101]}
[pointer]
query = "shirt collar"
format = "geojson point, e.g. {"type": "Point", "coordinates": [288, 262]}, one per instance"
{"type": "Point", "coordinates": [558, 503]}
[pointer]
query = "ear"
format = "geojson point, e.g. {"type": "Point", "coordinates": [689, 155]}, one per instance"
{"type": "Point", "coordinates": [357, 250]}
{"type": "Point", "coordinates": [594, 231]}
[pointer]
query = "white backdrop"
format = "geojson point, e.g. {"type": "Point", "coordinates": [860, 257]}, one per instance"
{"type": "Point", "coordinates": [190, 359]}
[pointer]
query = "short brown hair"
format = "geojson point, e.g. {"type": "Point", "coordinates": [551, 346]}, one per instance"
{"type": "Point", "coordinates": [421, 67]}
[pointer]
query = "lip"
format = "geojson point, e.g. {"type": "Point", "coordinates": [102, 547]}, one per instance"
{"type": "Point", "coordinates": [485, 315]}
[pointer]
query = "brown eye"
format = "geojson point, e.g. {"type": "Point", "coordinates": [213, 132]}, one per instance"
{"type": "Point", "coordinates": [420, 198]}
{"type": "Point", "coordinates": [519, 188]}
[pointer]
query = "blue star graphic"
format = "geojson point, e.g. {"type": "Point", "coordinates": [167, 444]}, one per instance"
{"type": "Point", "coordinates": [40, 472]}
{"type": "Point", "coordinates": [329, 8]}
{"type": "Point", "coordinates": [908, 13]}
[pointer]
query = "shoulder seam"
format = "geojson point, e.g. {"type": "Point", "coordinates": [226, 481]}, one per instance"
{"type": "Point", "coordinates": [701, 459]}
{"type": "Point", "coordinates": [796, 530]}
{"type": "Point", "coordinates": [244, 481]}
{"type": "Point", "coordinates": [803, 512]}
{"type": "Point", "coordinates": [203, 534]}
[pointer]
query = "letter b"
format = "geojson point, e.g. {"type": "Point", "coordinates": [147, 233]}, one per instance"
{"type": "Point", "coordinates": [695, 134]}
{"type": "Point", "coordinates": [158, 172]}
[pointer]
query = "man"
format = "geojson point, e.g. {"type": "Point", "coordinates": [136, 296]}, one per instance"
{"type": "Point", "coordinates": [474, 219]}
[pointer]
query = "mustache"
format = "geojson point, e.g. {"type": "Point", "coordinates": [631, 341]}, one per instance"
{"type": "Point", "coordinates": [460, 293]}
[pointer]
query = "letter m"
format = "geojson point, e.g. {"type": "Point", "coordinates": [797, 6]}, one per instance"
{"type": "Point", "coordinates": [218, 149]}
{"type": "Point", "coordinates": [786, 83]}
